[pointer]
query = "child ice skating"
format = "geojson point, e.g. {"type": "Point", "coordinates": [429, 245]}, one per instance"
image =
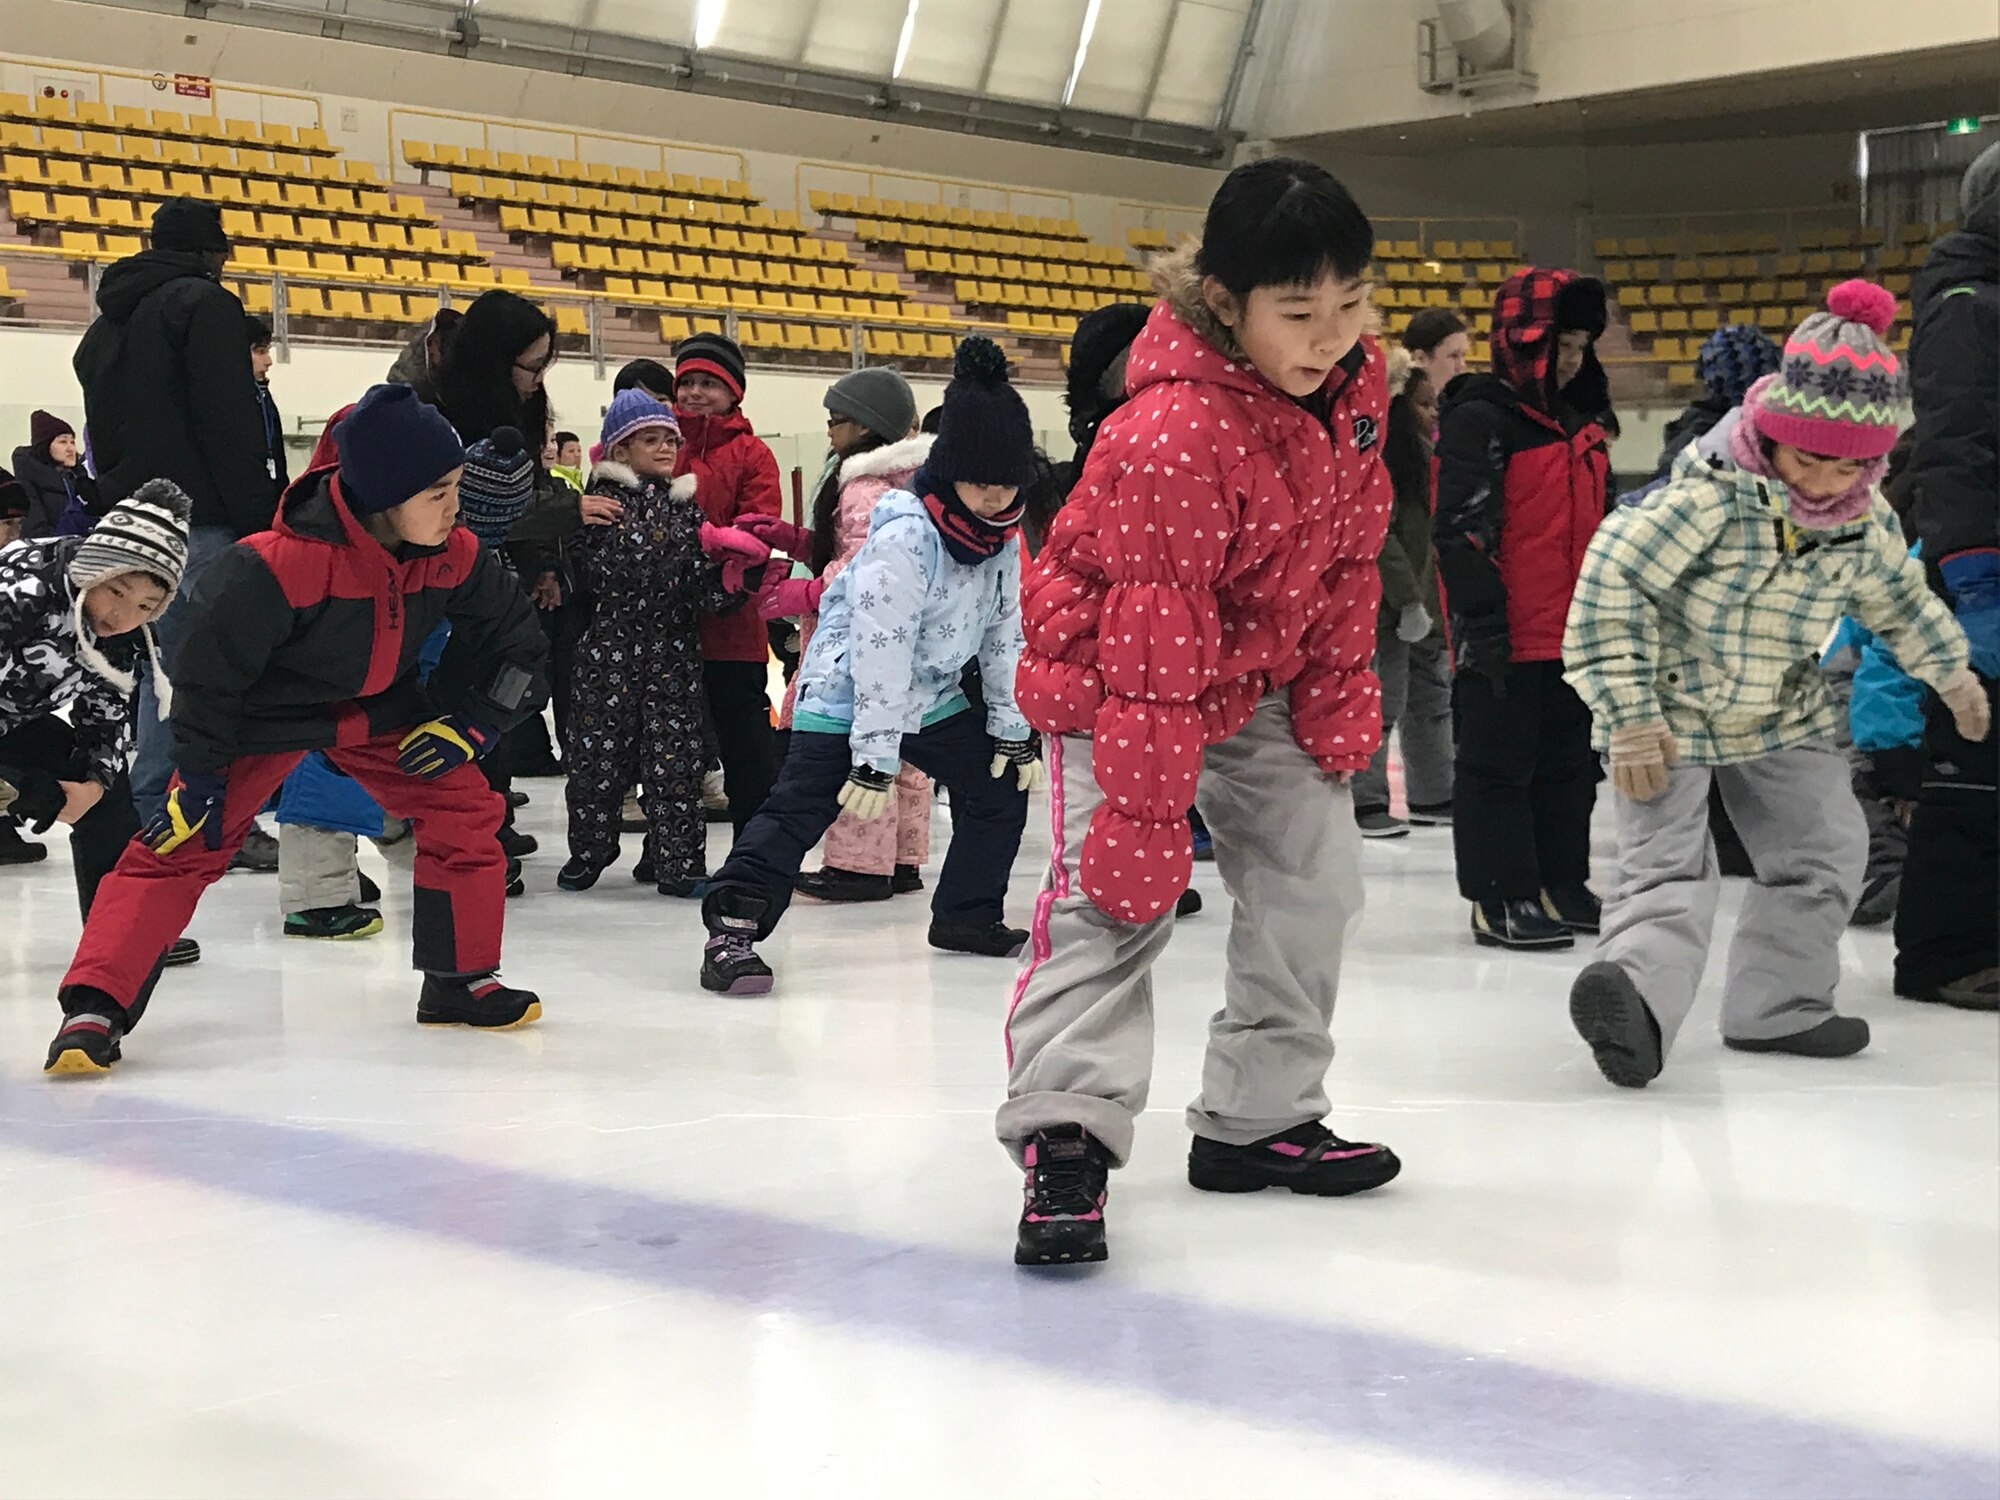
{"type": "Point", "coordinates": [1199, 629]}
{"type": "Point", "coordinates": [935, 587]}
{"type": "Point", "coordinates": [635, 705]}
{"type": "Point", "coordinates": [306, 637]}
{"type": "Point", "coordinates": [1693, 637]}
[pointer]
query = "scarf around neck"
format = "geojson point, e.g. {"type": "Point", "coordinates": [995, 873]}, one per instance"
{"type": "Point", "coordinates": [1815, 513]}
{"type": "Point", "coordinates": [971, 539]}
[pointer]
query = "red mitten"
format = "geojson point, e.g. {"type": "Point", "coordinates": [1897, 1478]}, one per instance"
{"type": "Point", "coordinates": [778, 534]}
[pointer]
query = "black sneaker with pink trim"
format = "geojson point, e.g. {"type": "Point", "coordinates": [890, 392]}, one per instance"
{"type": "Point", "coordinates": [1062, 1221]}
{"type": "Point", "coordinates": [475, 1000]}
{"type": "Point", "coordinates": [1307, 1158]}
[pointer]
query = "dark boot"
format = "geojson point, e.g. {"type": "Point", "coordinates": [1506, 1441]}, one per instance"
{"type": "Point", "coordinates": [1307, 1158]}
{"type": "Point", "coordinates": [1609, 1013]}
{"type": "Point", "coordinates": [1521, 925]}
{"type": "Point", "coordinates": [1574, 905]}
{"type": "Point", "coordinates": [87, 1042]}
{"type": "Point", "coordinates": [1836, 1036]}
{"type": "Point", "coordinates": [1062, 1215]}
{"type": "Point", "coordinates": [997, 941]}
{"type": "Point", "coordinates": [836, 884]}
{"type": "Point", "coordinates": [479, 1000]}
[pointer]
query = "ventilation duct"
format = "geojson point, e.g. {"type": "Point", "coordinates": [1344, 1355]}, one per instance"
{"type": "Point", "coordinates": [1474, 47]}
{"type": "Point", "coordinates": [1480, 31]}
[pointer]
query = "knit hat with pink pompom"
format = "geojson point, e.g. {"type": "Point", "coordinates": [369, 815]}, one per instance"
{"type": "Point", "coordinates": [1840, 384]}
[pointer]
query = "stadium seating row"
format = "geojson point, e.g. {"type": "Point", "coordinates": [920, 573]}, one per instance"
{"type": "Point", "coordinates": [171, 124]}
{"type": "Point", "coordinates": [589, 260]}
{"type": "Point", "coordinates": [521, 165]}
{"type": "Point", "coordinates": [78, 155]}
{"type": "Point", "coordinates": [848, 206]}
{"type": "Point", "coordinates": [602, 232]}
{"type": "Point", "coordinates": [1033, 272]}
{"type": "Point", "coordinates": [473, 190]}
{"type": "Point", "coordinates": [983, 242]}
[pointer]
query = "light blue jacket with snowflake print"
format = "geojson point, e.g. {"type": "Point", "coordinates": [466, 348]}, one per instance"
{"type": "Point", "coordinates": [896, 630]}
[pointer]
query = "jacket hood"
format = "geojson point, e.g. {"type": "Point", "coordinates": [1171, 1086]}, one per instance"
{"type": "Point", "coordinates": [131, 280]}
{"type": "Point", "coordinates": [1965, 257]}
{"type": "Point", "coordinates": [1532, 307]}
{"type": "Point", "coordinates": [314, 510]}
{"type": "Point", "coordinates": [28, 460]}
{"type": "Point", "coordinates": [888, 462]}
{"type": "Point", "coordinates": [413, 367]}
{"type": "Point", "coordinates": [704, 434]}
{"type": "Point", "coordinates": [610, 471]}
{"type": "Point", "coordinates": [1164, 352]}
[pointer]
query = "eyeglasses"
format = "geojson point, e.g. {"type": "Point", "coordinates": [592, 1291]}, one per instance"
{"type": "Point", "coordinates": [536, 367]}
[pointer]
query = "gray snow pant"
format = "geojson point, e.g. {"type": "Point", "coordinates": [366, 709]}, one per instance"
{"type": "Point", "coordinates": [1798, 819]}
{"type": "Point", "coordinates": [1080, 1033]}
{"type": "Point", "coordinates": [316, 868]}
{"type": "Point", "coordinates": [1416, 704]}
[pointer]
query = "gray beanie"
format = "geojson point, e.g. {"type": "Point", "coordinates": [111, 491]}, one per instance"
{"type": "Point", "coordinates": [879, 399]}
{"type": "Point", "coordinates": [1980, 184]}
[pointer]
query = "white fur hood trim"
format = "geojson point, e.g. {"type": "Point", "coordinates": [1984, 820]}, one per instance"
{"type": "Point", "coordinates": [682, 488]}
{"type": "Point", "coordinates": [896, 458]}
{"type": "Point", "coordinates": [617, 473]}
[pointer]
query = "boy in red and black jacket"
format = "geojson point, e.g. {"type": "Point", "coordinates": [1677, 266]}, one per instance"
{"type": "Point", "coordinates": [735, 476]}
{"type": "Point", "coordinates": [1523, 481]}
{"type": "Point", "coordinates": [305, 637]}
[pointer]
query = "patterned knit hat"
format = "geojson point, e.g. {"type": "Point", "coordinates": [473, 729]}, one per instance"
{"type": "Point", "coordinates": [498, 482]}
{"type": "Point", "coordinates": [1838, 389]}
{"type": "Point", "coordinates": [710, 354]}
{"type": "Point", "coordinates": [633, 411]}
{"type": "Point", "coordinates": [1734, 358]}
{"type": "Point", "coordinates": [146, 532]}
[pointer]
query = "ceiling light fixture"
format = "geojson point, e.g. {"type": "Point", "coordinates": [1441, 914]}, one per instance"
{"type": "Point", "coordinates": [708, 22]}
{"type": "Point", "coordinates": [1082, 48]}
{"type": "Point", "coordinates": [903, 41]}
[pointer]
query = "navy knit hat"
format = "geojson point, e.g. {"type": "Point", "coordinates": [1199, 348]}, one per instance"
{"type": "Point", "coordinates": [1734, 358]}
{"type": "Point", "coordinates": [710, 354]}
{"type": "Point", "coordinates": [985, 436]}
{"type": "Point", "coordinates": [498, 482]}
{"type": "Point", "coordinates": [392, 446]}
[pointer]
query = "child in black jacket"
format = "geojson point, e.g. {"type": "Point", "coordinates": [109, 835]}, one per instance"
{"type": "Point", "coordinates": [305, 637]}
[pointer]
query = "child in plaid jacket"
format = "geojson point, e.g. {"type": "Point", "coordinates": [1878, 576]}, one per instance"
{"type": "Point", "coordinates": [1693, 636]}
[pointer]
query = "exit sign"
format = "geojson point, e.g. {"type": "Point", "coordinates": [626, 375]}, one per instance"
{"type": "Point", "coordinates": [1963, 125]}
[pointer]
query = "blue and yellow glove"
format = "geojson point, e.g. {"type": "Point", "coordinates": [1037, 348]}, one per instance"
{"type": "Point", "coordinates": [442, 745]}
{"type": "Point", "coordinates": [193, 805]}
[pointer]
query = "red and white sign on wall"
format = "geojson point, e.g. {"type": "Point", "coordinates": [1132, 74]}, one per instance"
{"type": "Point", "coordinates": [194, 85]}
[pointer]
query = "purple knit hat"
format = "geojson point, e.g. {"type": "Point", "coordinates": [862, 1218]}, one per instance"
{"type": "Point", "coordinates": [1838, 387]}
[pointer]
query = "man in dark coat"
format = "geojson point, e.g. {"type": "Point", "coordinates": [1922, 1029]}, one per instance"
{"type": "Point", "coordinates": [169, 394]}
{"type": "Point", "coordinates": [1946, 946]}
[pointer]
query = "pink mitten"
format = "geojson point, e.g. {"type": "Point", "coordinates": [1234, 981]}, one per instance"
{"type": "Point", "coordinates": [789, 597]}
{"type": "Point", "coordinates": [778, 534]}
{"type": "Point", "coordinates": [737, 551]}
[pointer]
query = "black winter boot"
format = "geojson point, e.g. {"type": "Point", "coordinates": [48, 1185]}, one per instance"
{"type": "Point", "coordinates": [1521, 925]}
{"type": "Point", "coordinates": [1836, 1036]}
{"type": "Point", "coordinates": [475, 1000]}
{"type": "Point", "coordinates": [334, 922]}
{"type": "Point", "coordinates": [1574, 905]}
{"type": "Point", "coordinates": [836, 884]}
{"type": "Point", "coordinates": [907, 880]}
{"type": "Point", "coordinates": [87, 1042]}
{"type": "Point", "coordinates": [995, 941]}
{"type": "Point", "coordinates": [1062, 1215]}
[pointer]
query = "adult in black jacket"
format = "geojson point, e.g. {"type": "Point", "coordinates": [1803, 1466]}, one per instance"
{"type": "Point", "coordinates": [49, 470]}
{"type": "Point", "coordinates": [1946, 945]}
{"type": "Point", "coordinates": [168, 394]}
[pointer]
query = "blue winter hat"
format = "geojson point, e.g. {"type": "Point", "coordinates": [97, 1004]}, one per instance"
{"type": "Point", "coordinates": [632, 411]}
{"type": "Point", "coordinates": [393, 446]}
{"type": "Point", "coordinates": [1734, 358]}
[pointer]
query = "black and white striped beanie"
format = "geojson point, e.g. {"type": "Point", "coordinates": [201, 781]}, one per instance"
{"type": "Point", "coordinates": [146, 532]}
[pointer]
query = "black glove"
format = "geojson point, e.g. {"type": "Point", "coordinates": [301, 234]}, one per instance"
{"type": "Point", "coordinates": [38, 796]}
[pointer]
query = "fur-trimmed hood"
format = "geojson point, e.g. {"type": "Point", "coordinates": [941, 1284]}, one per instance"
{"type": "Point", "coordinates": [904, 457]}
{"type": "Point", "coordinates": [1178, 284]}
{"type": "Point", "coordinates": [610, 471]}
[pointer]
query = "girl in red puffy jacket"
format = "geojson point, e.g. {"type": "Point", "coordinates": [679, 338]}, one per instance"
{"type": "Point", "coordinates": [1200, 624]}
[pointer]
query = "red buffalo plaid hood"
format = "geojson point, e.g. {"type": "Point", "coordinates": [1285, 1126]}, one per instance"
{"type": "Point", "coordinates": [1534, 305]}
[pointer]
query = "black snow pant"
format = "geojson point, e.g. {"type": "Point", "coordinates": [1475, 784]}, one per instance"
{"type": "Point", "coordinates": [1525, 785]}
{"type": "Point", "coordinates": [988, 814]}
{"type": "Point", "coordinates": [740, 708]}
{"type": "Point", "coordinates": [1947, 916]}
{"type": "Point", "coordinates": [635, 720]}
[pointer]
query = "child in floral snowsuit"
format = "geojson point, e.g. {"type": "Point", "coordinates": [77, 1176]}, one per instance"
{"type": "Point", "coordinates": [635, 707]}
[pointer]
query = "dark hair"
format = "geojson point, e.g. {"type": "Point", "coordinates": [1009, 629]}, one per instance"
{"type": "Point", "coordinates": [1283, 222]}
{"type": "Point", "coordinates": [826, 504]}
{"type": "Point", "coordinates": [933, 420]}
{"type": "Point", "coordinates": [648, 375]}
{"type": "Point", "coordinates": [1041, 498]}
{"type": "Point", "coordinates": [475, 376]}
{"type": "Point", "coordinates": [564, 438]}
{"type": "Point", "coordinates": [1430, 328]}
{"type": "Point", "coordinates": [260, 330]}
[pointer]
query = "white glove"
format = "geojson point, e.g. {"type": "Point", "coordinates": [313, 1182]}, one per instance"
{"type": "Point", "coordinates": [1965, 695]}
{"type": "Point", "coordinates": [1025, 756]}
{"type": "Point", "coordinates": [867, 792]}
{"type": "Point", "coordinates": [1413, 624]}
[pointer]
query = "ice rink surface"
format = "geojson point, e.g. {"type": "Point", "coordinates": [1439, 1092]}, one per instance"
{"type": "Point", "coordinates": [668, 1243]}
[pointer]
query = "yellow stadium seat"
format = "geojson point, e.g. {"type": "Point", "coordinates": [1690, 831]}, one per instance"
{"type": "Point", "coordinates": [27, 206]}
{"type": "Point", "coordinates": [572, 322]}
{"type": "Point", "coordinates": [79, 242]}
{"type": "Point", "coordinates": [406, 270]}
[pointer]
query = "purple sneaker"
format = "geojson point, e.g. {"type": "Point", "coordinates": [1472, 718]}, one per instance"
{"type": "Point", "coordinates": [730, 966]}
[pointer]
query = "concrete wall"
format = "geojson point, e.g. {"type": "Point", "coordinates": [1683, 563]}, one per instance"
{"type": "Point", "coordinates": [1352, 64]}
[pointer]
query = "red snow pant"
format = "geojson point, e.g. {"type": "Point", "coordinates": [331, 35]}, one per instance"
{"type": "Point", "coordinates": [143, 905]}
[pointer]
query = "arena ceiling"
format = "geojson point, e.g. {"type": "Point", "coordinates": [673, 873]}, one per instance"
{"type": "Point", "coordinates": [1157, 78]}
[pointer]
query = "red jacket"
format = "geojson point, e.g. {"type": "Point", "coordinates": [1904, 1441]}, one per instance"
{"type": "Point", "coordinates": [735, 475]}
{"type": "Point", "coordinates": [1523, 476]}
{"type": "Point", "coordinates": [1220, 543]}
